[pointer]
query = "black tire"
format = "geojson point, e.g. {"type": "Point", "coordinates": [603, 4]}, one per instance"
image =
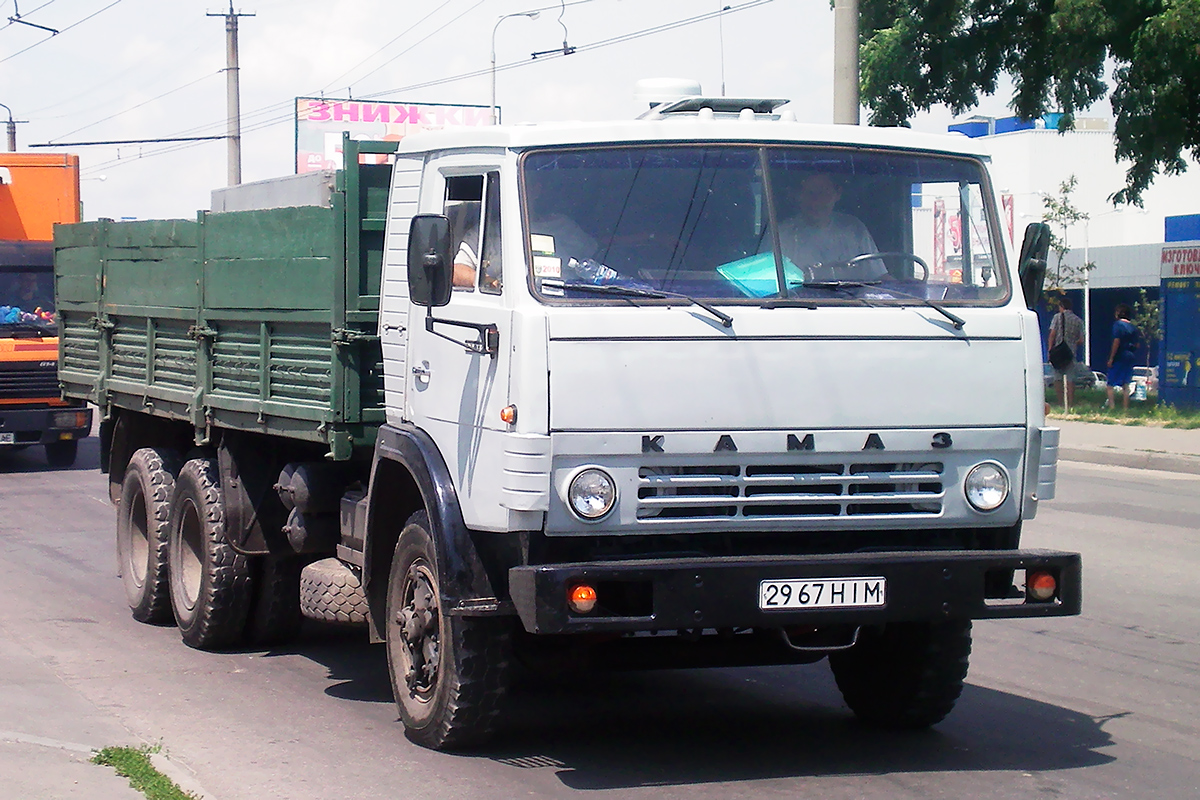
{"type": "Point", "coordinates": [211, 583]}
{"type": "Point", "coordinates": [143, 526]}
{"type": "Point", "coordinates": [332, 592]}
{"type": "Point", "coordinates": [275, 613]}
{"type": "Point", "coordinates": [61, 455]}
{"type": "Point", "coordinates": [449, 673]}
{"type": "Point", "coordinates": [905, 675]}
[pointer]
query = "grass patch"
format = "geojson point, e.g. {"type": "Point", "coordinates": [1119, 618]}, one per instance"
{"type": "Point", "coordinates": [134, 763]}
{"type": "Point", "coordinates": [1089, 407]}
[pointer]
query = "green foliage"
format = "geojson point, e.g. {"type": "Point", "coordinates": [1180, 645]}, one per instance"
{"type": "Point", "coordinates": [1089, 407]}
{"type": "Point", "coordinates": [134, 763]}
{"type": "Point", "coordinates": [919, 53]}
{"type": "Point", "coordinates": [1148, 319]}
{"type": "Point", "coordinates": [1061, 214]}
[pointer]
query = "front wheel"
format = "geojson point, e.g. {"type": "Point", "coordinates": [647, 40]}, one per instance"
{"type": "Point", "coordinates": [905, 675]}
{"type": "Point", "coordinates": [449, 673]}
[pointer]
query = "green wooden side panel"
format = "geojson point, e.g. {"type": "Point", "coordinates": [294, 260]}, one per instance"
{"type": "Point", "coordinates": [301, 232]}
{"type": "Point", "coordinates": [144, 280]}
{"type": "Point", "coordinates": [258, 320]}
{"type": "Point", "coordinates": [77, 274]}
{"type": "Point", "coordinates": [271, 283]}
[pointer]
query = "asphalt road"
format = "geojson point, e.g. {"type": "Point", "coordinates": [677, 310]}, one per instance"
{"type": "Point", "coordinates": [1103, 705]}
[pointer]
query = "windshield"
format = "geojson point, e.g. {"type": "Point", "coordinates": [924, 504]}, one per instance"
{"type": "Point", "coordinates": [728, 222]}
{"type": "Point", "coordinates": [26, 299]}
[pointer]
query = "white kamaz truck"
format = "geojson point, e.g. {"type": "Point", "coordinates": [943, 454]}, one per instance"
{"type": "Point", "coordinates": [585, 395]}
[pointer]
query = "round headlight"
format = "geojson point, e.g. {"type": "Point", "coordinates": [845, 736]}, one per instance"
{"type": "Point", "coordinates": [986, 487]}
{"type": "Point", "coordinates": [592, 493]}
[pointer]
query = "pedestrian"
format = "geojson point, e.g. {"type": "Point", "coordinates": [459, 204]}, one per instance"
{"type": "Point", "coordinates": [1121, 357]}
{"type": "Point", "coordinates": [1066, 327]}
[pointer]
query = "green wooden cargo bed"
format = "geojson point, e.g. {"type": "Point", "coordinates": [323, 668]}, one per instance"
{"type": "Point", "coordinates": [255, 320]}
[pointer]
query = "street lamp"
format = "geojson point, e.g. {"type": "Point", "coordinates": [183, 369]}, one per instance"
{"type": "Point", "coordinates": [530, 15]}
{"type": "Point", "coordinates": [1087, 280]}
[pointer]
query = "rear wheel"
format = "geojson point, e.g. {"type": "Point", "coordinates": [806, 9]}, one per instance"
{"type": "Point", "coordinates": [275, 613]}
{"type": "Point", "coordinates": [61, 455]}
{"type": "Point", "coordinates": [143, 525]}
{"type": "Point", "coordinates": [210, 581]}
{"type": "Point", "coordinates": [449, 673]}
{"type": "Point", "coordinates": [905, 675]}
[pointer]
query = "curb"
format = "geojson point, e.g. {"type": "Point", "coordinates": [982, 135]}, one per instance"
{"type": "Point", "coordinates": [183, 777]}
{"type": "Point", "coordinates": [1137, 459]}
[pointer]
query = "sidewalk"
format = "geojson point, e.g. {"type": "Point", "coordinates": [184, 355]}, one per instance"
{"type": "Point", "coordinates": [1139, 446]}
{"type": "Point", "coordinates": [49, 733]}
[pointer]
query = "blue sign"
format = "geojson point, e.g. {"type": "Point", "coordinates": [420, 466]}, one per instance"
{"type": "Point", "coordinates": [1180, 384]}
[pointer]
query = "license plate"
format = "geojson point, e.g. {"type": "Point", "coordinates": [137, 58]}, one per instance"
{"type": "Point", "coordinates": [822, 593]}
{"type": "Point", "coordinates": [8, 438]}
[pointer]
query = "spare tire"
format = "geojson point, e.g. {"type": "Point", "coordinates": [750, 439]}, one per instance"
{"type": "Point", "coordinates": [333, 592]}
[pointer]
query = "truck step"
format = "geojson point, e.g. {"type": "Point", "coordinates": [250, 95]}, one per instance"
{"type": "Point", "coordinates": [332, 592]}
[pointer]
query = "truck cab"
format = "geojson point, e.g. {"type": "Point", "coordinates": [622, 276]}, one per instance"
{"type": "Point", "coordinates": [696, 420]}
{"type": "Point", "coordinates": [32, 410]}
{"type": "Point", "coordinates": [711, 399]}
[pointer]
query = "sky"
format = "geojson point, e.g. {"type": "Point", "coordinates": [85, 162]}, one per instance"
{"type": "Point", "coordinates": [141, 69]}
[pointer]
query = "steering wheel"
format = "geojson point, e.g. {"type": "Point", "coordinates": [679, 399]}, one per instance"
{"type": "Point", "coordinates": [913, 257]}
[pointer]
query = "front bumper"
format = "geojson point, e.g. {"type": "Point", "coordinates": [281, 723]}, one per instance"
{"type": "Point", "coordinates": [691, 593]}
{"type": "Point", "coordinates": [40, 425]}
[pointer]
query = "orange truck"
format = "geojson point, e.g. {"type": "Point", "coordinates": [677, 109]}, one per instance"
{"type": "Point", "coordinates": [36, 191]}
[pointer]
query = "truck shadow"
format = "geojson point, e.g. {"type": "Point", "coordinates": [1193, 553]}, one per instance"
{"type": "Point", "coordinates": [33, 458]}
{"type": "Point", "coordinates": [687, 727]}
{"type": "Point", "coordinates": [622, 731]}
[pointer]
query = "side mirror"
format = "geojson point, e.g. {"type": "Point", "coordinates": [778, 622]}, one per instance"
{"type": "Point", "coordinates": [430, 262]}
{"type": "Point", "coordinates": [1035, 249]}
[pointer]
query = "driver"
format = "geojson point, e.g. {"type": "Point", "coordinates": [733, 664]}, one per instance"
{"type": "Point", "coordinates": [30, 292]}
{"type": "Point", "coordinates": [820, 240]}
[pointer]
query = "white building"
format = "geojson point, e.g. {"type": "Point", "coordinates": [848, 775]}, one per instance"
{"type": "Point", "coordinates": [1124, 242]}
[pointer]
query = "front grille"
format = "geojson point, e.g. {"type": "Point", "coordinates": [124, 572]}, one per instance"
{"type": "Point", "coordinates": [779, 491]}
{"type": "Point", "coordinates": [28, 379]}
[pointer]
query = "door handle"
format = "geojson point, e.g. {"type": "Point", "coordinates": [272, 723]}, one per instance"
{"type": "Point", "coordinates": [422, 372]}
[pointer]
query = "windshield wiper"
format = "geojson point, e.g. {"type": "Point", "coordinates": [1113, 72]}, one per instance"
{"type": "Point", "coordinates": [956, 320]}
{"type": "Point", "coordinates": [653, 294]}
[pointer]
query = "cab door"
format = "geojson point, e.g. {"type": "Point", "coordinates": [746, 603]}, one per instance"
{"type": "Point", "coordinates": [456, 388]}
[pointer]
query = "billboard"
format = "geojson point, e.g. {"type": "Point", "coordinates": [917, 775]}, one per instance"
{"type": "Point", "coordinates": [320, 122]}
{"type": "Point", "coordinates": [1180, 273]}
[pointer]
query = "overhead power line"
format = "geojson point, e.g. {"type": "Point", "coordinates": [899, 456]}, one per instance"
{"type": "Point", "coordinates": [127, 110]}
{"type": "Point", "coordinates": [64, 30]}
{"type": "Point", "coordinates": [280, 118]}
{"type": "Point", "coordinates": [131, 141]}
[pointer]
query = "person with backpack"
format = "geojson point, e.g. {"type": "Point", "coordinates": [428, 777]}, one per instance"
{"type": "Point", "coordinates": [1126, 340]}
{"type": "Point", "coordinates": [1067, 329]}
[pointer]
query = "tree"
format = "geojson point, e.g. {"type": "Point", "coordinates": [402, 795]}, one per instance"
{"type": "Point", "coordinates": [1148, 321]}
{"type": "Point", "coordinates": [915, 54]}
{"type": "Point", "coordinates": [1061, 215]}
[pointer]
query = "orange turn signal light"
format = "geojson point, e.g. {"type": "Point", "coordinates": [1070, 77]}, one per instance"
{"type": "Point", "coordinates": [581, 598]}
{"type": "Point", "coordinates": [1041, 586]}
{"type": "Point", "coordinates": [508, 415]}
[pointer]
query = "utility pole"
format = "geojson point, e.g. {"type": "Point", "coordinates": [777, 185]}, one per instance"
{"type": "Point", "coordinates": [12, 130]}
{"type": "Point", "coordinates": [845, 62]}
{"type": "Point", "coordinates": [232, 94]}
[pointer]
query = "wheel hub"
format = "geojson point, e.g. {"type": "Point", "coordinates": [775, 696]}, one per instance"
{"type": "Point", "coordinates": [418, 625]}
